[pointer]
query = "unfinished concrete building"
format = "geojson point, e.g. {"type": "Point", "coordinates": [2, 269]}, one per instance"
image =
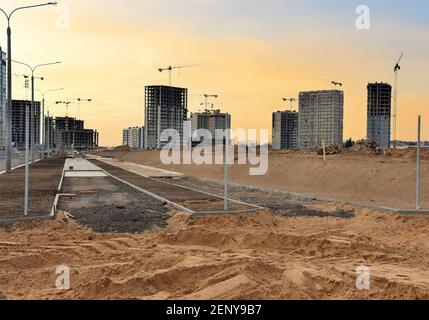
{"type": "Point", "coordinates": [19, 108]}
{"type": "Point", "coordinates": [70, 133]}
{"type": "Point", "coordinates": [166, 108]}
{"type": "Point", "coordinates": [321, 118]}
{"type": "Point", "coordinates": [379, 113]}
{"type": "Point", "coordinates": [49, 132]}
{"type": "Point", "coordinates": [133, 137]}
{"type": "Point", "coordinates": [3, 99]}
{"type": "Point", "coordinates": [213, 121]}
{"type": "Point", "coordinates": [285, 130]}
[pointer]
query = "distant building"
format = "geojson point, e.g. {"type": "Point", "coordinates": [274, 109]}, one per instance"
{"type": "Point", "coordinates": [379, 113]}
{"type": "Point", "coordinates": [19, 108]}
{"type": "Point", "coordinates": [210, 120]}
{"type": "Point", "coordinates": [133, 137]}
{"type": "Point", "coordinates": [70, 133]}
{"type": "Point", "coordinates": [285, 130]}
{"type": "Point", "coordinates": [3, 99]}
{"type": "Point", "coordinates": [166, 108]}
{"type": "Point", "coordinates": [321, 118]}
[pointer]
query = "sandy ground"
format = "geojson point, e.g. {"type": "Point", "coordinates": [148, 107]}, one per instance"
{"type": "Point", "coordinates": [45, 176]}
{"type": "Point", "coordinates": [388, 181]}
{"type": "Point", "coordinates": [257, 256]}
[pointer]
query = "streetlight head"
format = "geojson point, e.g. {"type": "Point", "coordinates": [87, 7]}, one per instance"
{"type": "Point", "coordinates": [53, 3]}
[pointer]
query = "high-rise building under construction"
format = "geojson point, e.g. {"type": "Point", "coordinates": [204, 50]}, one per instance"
{"type": "Point", "coordinates": [285, 130]}
{"type": "Point", "coordinates": [19, 112]}
{"type": "Point", "coordinates": [214, 121]}
{"type": "Point", "coordinates": [3, 99]}
{"type": "Point", "coordinates": [379, 113]}
{"type": "Point", "coordinates": [166, 108]}
{"type": "Point", "coordinates": [321, 118]}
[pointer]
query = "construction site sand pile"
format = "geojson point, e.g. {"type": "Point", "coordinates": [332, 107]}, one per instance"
{"type": "Point", "coordinates": [364, 147]}
{"type": "Point", "coordinates": [257, 256]}
{"type": "Point", "coordinates": [330, 150]}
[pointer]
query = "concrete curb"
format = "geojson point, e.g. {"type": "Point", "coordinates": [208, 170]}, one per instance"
{"type": "Point", "coordinates": [307, 197]}
{"type": "Point", "coordinates": [20, 166]}
{"type": "Point", "coordinates": [8, 222]}
{"type": "Point", "coordinates": [51, 216]}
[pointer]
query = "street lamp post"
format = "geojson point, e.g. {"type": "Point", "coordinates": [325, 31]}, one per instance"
{"type": "Point", "coordinates": [33, 137]}
{"type": "Point", "coordinates": [9, 81]}
{"type": "Point", "coordinates": [27, 128]}
{"type": "Point", "coordinates": [33, 69]}
{"type": "Point", "coordinates": [43, 93]}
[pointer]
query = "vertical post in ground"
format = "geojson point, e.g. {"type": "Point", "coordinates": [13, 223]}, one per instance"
{"type": "Point", "coordinates": [324, 150]}
{"type": "Point", "coordinates": [227, 141]}
{"type": "Point", "coordinates": [418, 163]}
{"type": "Point", "coordinates": [8, 119]}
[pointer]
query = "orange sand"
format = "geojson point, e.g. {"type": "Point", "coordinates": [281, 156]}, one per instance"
{"type": "Point", "coordinates": [257, 256]}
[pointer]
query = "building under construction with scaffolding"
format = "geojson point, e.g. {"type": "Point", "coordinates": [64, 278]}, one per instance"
{"type": "Point", "coordinates": [19, 109]}
{"type": "Point", "coordinates": [214, 121]}
{"type": "Point", "coordinates": [69, 133]}
{"type": "Point", "coordinates": [3, 99]}
{"type": "Point", "coordinates": [321, 118]}
{"type": "Point", "coordinates": [285, 130]}
{"type": "Point", "coordinates": [166, 108]}
{"type": "Point", "coordinates": [379, 113]}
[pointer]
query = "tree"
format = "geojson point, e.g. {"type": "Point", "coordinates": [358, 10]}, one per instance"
{"type": "Point", "coordinates": [349, 143]}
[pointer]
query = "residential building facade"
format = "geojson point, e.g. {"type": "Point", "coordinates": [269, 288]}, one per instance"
{"type": "Point", "coordinates": [19, 109]}
{"type": "Point", "coordinates": [285, 130]}
{"type": "Point", "coordinates": [214, 121]}
{"type": "Point", "coordinates": [3, 99]}
{"type": "Point", "coordinates": [321, 118]}
{"type": "Point", "coordinates": [133, 137]}
{"type": "Point", "coordinates": [379, 113]}
{"type": "Point", "coordinates": [166, 108]}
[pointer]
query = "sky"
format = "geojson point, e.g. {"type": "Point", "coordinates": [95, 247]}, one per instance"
{"type": "Point", "coordinates": [251, 53]}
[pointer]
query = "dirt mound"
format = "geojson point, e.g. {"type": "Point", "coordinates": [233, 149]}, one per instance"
{"type": "Point", "coordinates": [331, 149]}
{"type": "Point", "coordinates": [364, 147]}
{"type": "Point", "coordinates": [253, 256]}
{"type": "Point", "coordinates": [408, 153]}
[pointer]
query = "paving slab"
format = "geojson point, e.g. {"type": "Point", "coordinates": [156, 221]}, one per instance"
{"type": "Point", "coordinates": [142, 170]}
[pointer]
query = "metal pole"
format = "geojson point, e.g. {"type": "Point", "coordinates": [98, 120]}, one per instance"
{"type": "Point", "coordinates": [32, 118]}
{"type": "Point", "coordinates": [418, 163]}
{"type": "Point", "coordinates": [227, 141]}
{"type": "Point", "coordinates": [9, 103]}
{"type": "Point", "coordinates": [27, 149]}
{"type": "Point", "coordinates": [43, 123]}
{"type": "Point", "coordinates": [48, 138]}
{"type": "Point", "coordinates": [324, 150]}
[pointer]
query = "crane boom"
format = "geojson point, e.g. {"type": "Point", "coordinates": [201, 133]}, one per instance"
{"type": "Point", "coordinates": [397, 66]}
{"type": "Point", "coordinates": [171, 68]}
{"type": "Point", "coordinates": [395, 98]}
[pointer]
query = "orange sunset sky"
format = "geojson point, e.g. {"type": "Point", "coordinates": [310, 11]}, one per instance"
{"type": "Point", "coordinates": [252, 53]}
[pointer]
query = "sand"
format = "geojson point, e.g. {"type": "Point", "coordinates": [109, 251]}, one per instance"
{"type": "Point", "coordinates": [388, 181]}
{"type": "Point", "coordinates": [256, 256]}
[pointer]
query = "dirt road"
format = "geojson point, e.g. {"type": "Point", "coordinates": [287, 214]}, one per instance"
{"type": "Point", "coordinates": [388, 181]}
{"type": "Point", "coordinates": [45, 176]}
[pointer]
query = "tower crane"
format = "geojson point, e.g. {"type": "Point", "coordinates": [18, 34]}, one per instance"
{"type": "Point", "coordinates": [207, 96]}
{"type": "Point", "coordinates": [396, 70]}
{"type": "Point", "coordinates": [171, 68]}
{"type": "Point", "coordinates": [291, 100]}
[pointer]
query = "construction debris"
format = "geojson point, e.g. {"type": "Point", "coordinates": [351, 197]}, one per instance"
{"type": "Point", "coordinates": [365, 147]}
{"type": "Point", "coordinates": [362, 147]}
{"type": "Point", "coordinates": [331, 149]}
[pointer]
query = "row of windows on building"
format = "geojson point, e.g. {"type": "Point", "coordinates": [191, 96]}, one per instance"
{"type": "Point", "coordinates": [320, 119]}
